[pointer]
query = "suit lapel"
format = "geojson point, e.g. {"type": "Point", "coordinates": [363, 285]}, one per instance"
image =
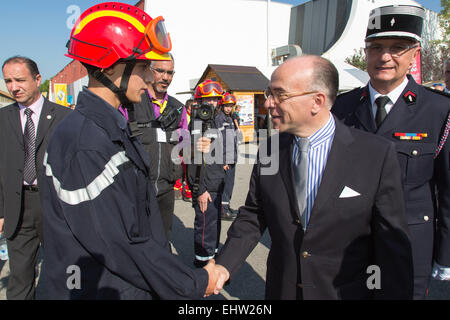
{"type": "Point", "coordinates": [402, 111]}
{"type": "Point", "coordinates": [333, 174]}
{"type": "Point", "coordinates": [287, 171]}
{"type": "Point", "coordinates": [16, 125]}
{"type": "Point", "coordinates": [45, 120]}
{"type": "Point", "coordinates": [364, 111]}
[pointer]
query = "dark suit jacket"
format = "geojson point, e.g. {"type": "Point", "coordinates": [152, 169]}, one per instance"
{"type": "Point", "coordinates": [344, 235]}
{"type": "Point", "coordinates": [12, 157]}
{"type": "Point", "coordinates": [417, 110]}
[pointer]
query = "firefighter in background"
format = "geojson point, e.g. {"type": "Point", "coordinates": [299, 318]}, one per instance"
{"type": "Point", "coordinates": [181, 187]}
{"type": "Point", "coordinates": [206, 179]}
{"type": "Point", "coordinates": [163, 122]}
{"type": "Point", "coordinates": [100, 210]}
{"type": "Point", "coordinates": [229, 132]}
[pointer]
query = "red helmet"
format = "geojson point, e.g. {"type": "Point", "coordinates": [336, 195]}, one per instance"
{"type": "Point", "coordinates": [208, 88]}
{"type": "Point", "coordinates": [108, 32]}
{"type": "Point", "coordinates": [227, 98]}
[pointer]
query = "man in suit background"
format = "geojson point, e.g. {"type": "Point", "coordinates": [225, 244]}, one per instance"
{"type": "Point", "coordinates": [23, 139]}
{"type": "Point", "coordinates": [331, 208]}
{"type": "Point", "coordinates": [394, 106]}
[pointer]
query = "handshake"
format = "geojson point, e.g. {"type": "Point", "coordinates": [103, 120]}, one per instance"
{"type": "Point", "coordinates": [218, 275]}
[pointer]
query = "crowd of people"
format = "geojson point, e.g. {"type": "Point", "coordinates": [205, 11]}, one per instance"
{"type": "Point", "coordinates": [363, 177]}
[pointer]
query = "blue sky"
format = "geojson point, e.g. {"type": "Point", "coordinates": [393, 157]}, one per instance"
{"type": "Point", "coordinates": [38, 29]}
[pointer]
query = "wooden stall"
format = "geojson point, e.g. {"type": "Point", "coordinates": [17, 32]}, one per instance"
{"type": "Point", "coordinates": [247, 84]}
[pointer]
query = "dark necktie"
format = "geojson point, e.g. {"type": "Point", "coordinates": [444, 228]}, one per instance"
{"type": "Point", "coordinates": [381, 110]}
{"type": "Point", "coordinates": [301, 177]}
{"type": "Point", "coordinates": [29, 139]}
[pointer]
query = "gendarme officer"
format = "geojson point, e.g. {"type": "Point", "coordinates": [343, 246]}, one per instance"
{"type": "Point", "coordinates": [394, 106]}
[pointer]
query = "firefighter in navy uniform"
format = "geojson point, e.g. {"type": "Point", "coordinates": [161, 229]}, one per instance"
{"type": "Point", "coordinates": [206, 180]}
{"type": "Point", "coordinates": [394, 106]}
{"type": "Point", "coordinates": [228, 130]}
{"type": "Point", "coordinates": [104, 234]}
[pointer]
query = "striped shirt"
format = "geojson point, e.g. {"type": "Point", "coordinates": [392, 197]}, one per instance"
{"type": "Point", "coordinates": [320, 145]}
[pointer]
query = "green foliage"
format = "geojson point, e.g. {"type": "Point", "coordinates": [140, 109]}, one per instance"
{"type": "Point", "coordinates": [434, 53]}
{"type": "Point", "coordinates": [358, 60]}
{"type": "Point", "coordinates": [432, 57]}
{"type": "Point", "coordinates": [445, 20]}
{"type": "Point", "coordinates": [44, 86]}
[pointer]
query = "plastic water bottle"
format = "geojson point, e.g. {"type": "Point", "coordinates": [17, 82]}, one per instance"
{"type": "Point", "coordinates": [3, 248]}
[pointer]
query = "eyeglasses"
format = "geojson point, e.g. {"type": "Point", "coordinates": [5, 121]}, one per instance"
{"type": "Point", "coordinates": [280, 97]}
{"type": "Point", "coordinates": [395, 50]}
{"type": "Point", "coordinates": [170, 73]}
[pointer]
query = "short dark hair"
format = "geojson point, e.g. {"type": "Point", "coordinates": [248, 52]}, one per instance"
{"type": "Point", "coordinates": [31, 65]}
{"type": "Point", "coordinates": [189, 102]}
{"type": "Point", "coordinates": [326, 78]}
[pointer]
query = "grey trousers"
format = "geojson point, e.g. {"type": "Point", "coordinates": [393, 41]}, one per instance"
{"type": "Point", "coordinates": [23, 249]}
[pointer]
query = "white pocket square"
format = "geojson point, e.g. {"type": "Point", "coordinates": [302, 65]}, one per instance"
{"type": "Point", "coordinates": [348, 193]}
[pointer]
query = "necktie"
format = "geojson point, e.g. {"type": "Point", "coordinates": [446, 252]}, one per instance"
{"type": "Point", "coordinates": [301, 177]}
{"type": "Point", "coordinates": [29, 138]}
{"type": "Point", "coordinates": [381, 110]}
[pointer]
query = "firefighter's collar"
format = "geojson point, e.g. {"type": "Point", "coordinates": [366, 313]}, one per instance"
{"type": "Point", "coordinates": [393, 95]}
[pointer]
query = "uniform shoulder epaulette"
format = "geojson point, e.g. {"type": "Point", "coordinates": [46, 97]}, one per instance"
{"type": "Point", "coordinates": [442, 93]}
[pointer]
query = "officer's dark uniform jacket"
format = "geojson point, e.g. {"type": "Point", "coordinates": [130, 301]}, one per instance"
{"type": "Point", "coordinates": [164, 172]}
{"type": "Point", "coordinates": [101, 214]}
{"type": "Point", "coordinates": [212, 177]}
{"type": "Point", "coordinates": [417, 111]}
{"type": "Point", "coordinates": [226, 126]}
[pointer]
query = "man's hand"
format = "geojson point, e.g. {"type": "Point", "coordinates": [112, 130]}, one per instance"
{"type": "Point", "coordinates": [212, 278]}
{"type": "Point", "coordinates": [226, 167]}
{"type": "Point", "coordinates": [222, 275]}
{"type": "Point", "coordinates": [2, 220]}
{"type": "Point", "coordinates": [218, 275]}
{"type": "Point", "coordinates": [203, 201]}
{"type": "Point", "coordinates": [203, 144]}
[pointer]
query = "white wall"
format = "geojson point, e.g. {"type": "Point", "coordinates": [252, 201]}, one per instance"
{"type": "Point", "coordinates": [231, 32]}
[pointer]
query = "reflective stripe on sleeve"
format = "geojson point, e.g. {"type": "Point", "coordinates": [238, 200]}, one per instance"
{"type": "Point", "coordinates": [95, 188]}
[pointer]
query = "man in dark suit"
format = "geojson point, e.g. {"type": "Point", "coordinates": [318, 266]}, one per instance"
{"type": "Point", "coordinates": [331, 208]}
{"type": "Point", "coordinates": [395, 107]}
{"type": "Point", "coordinates": [23, 140]}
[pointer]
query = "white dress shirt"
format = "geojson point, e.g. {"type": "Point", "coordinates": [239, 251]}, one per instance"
{"type": "Point", "coordinates": [393, 96]}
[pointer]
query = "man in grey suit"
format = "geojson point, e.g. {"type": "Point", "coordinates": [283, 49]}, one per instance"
{"type": "Point", "coordinates": [25, 127]}
{"type": "Point", "coordinates": [337, 222]}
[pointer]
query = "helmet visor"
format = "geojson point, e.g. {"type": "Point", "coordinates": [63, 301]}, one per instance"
{"type": "Point", "coordinates": [228, 99]}
{"type": "Point", "coordinates": [209, 87]}
{"type": "Point", "coordinates": [157, 36]}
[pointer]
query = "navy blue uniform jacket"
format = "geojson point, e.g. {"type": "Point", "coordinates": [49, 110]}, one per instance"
{"type": "Point", "coordinates": [212, 177]}
{"type": "Point", "coordinates": [417, 110]}
{"type": "Point", "coordinates": [226, 126]}
{"type": "Point", "coordinates": [101, 214]}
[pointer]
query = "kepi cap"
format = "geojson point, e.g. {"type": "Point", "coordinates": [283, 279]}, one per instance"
{"type": "Point", "coordinates": [396, 21]}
